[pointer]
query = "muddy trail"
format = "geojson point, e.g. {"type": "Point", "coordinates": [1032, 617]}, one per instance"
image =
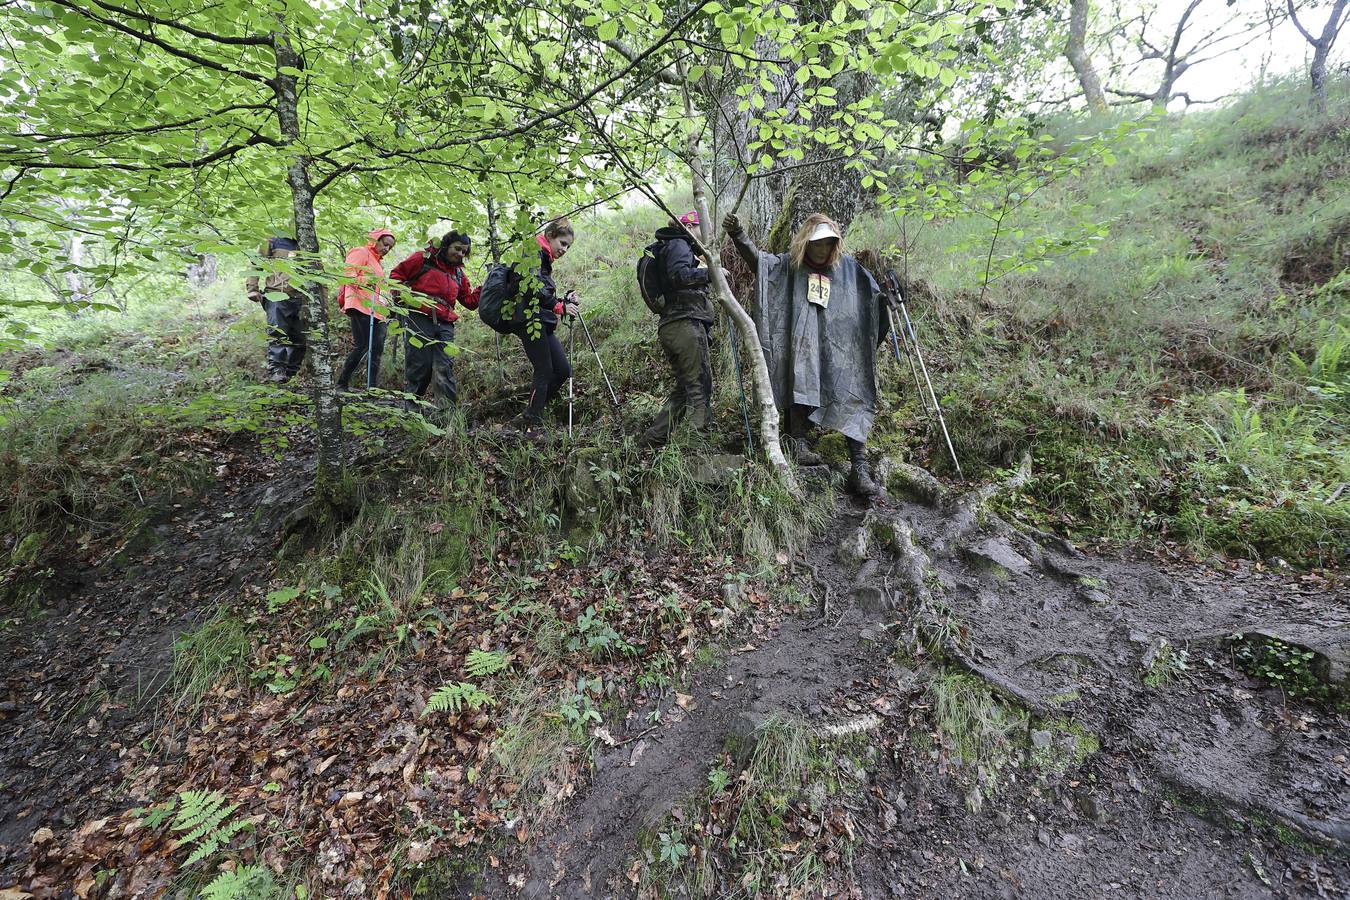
{"type": "Point", "coordinates": [1208, 783]}
{"type": "Point", "coordinates": [85, 673]}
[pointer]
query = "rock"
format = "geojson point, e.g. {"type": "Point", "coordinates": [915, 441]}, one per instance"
{"type": "Point", "coordinates": [716, 469]}
{"type": "Point", "coordinates": [872, 634]}
{"type": "Point", "coordinates": [732, 592]}
{"type": "Point", "coordinates": [1089, 808]}
{"type": "Point", "coordinates": [583, 489]}
{"type": "Point", "coordinates": [1041, 739]}
{"type": "Point", "coordinates": [872, 600]}
{"type": "Point", "coordinates": [744, 737]}
{"type": "Point", "coordinates": [909, 482]}
{"type": "Point", "coordinates": [889, 817]}
{"type": "Point", "coordinates": [1044, 837]}
{"type": "Point", "coordinates": [1330, 647]}
{"type": "Point", "coordinates": [996, 557]}
{"type": "Point", "coordinates": [1155, 647]}
{"type": "Point", "coordinates": [1094, 596]}
{"type": "Point", "coordinates": [853, 548]}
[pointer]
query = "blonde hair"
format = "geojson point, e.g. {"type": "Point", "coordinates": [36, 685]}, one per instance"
{"type": "Point", "coordinates": [803, 237]}
{"type": "Point", "coordinates": [559, 227]}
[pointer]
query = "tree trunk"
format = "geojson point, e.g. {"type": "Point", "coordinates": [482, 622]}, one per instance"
{"type": "Point", "coordinates": [759, 369]}
{"type": "Point", "coordinates": [775, 205]}
{"type": "Point", "coordinates": [1076, 51]}
{"type": "Point", "coordinates": [1317, 72]}
{"type": "Point", "coordinates": [327, 408]}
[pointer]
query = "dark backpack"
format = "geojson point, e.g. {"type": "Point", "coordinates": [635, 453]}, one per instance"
{"type": "Point", "coordinates": [497, 305]}
{"type": "Point", "coordinates": [649, 279]}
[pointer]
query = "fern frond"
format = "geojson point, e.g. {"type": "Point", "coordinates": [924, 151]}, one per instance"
{"type": "Point", "coordinates": [200, 808]}
{"type": "Point", "coordinates": [454, 697]}
{"type": "Point", "coordinates": [482, 663]}
{"type": "Point", "coordinates": [244, 883]}
{"type": "Point", "coordinates": [216, 840]}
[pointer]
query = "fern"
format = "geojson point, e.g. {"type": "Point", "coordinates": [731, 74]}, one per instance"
{"type": "Point", "coordinates": [482, 663]}
{"type": "Point", "coordinates": [203, 815]}
{"type": "Point", "coordinates": [244, 883]}
{"type": "Point", "coordinates": [455, 697]}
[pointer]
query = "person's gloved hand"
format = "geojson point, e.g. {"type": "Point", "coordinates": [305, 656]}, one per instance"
{"type": "Point", "coordinates": [255, 296]}
{"type": "Point", "coordinates": [731, 223]}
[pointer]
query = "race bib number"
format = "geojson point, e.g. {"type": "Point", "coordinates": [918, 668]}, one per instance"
{"type": "Point", "coordinates": [818, 289]}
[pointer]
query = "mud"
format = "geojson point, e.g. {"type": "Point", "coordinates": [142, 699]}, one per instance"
{"type": "Point", "coordinates": [1211, 784]}
{"type": "Point", "coordinates": [83, 673]}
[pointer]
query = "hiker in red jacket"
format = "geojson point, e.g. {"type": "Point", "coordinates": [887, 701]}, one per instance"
{"type": "Point", "coordinates": [436, 278]}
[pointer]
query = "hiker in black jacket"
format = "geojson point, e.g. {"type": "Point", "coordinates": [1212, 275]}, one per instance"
{"type": "Point", "coordinates": [545, 351]}
{"type": "Point", "coordinates": [684, 331]}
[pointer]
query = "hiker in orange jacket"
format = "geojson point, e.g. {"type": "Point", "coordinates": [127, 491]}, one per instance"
{"type": "Point", "coordinates": [368, 311]}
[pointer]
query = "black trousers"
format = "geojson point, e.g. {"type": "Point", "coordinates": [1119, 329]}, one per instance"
{"type": "Point", "coordinates": [286, 341]}
{"type": "Point", "coordinates": [428, 364]}
{"type": "Point", "coordinates": [361, 344]}
{"type": "Point", "coordinates": [551, 368]}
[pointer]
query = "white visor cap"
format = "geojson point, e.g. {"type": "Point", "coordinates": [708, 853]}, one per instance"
{"type": "Point", "coordinates": [824, 231]}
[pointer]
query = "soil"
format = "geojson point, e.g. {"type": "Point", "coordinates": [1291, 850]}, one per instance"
{"type": "Point", "coordinates": [84, 673]}
{"type": "Point", "coordinates": [1210, 785]}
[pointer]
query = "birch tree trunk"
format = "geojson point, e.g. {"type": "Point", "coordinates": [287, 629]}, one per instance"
{"type": "Point", "coordinates": [327, 409]}
{"type": "Point", "coordinates": [1076, 50]}
{"type": "Point", "coordinates": [759, 369]}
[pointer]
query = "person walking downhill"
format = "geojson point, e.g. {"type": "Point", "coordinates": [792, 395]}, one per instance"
{"type": "Point", "coordinates": [820, 323]}
{"type": "Point", "coordinates": [686, 322]}
{"type": "Point", "coordinates": [537, 332]}
{"type": "Point", "coordinates": [436, 277]}
{"type": "Point", "coordinates": [361, 300]}
{"type": "Point", "coordinates": [286, 342]}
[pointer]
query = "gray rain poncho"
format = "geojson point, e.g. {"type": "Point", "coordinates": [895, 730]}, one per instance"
{"type": "Point", "coordinates": [819, 357]}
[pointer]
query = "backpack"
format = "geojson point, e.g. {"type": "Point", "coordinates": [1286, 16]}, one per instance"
{"type": "Point", "coordinates": [495, 300]}
{"type": "Point", "coordinates": [649, 279]}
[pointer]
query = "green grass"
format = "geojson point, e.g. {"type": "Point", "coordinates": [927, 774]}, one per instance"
{"type": "Point", "coordinates": [791, 775]}
{"type": "Point", "coordinates": [1185, 381]}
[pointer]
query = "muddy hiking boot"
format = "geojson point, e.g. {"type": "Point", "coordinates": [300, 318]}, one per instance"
{"type": "Point", "coordinates": [860, 482]}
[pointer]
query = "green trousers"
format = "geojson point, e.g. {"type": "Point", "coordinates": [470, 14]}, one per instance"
{"type": "Point", "coordinates": [685, 342]}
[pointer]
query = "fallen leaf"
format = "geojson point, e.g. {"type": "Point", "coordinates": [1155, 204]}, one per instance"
{"type": "Point", "coordinates": [684, 701]}
{"type": "Point", "coordinates": [435, 527]}
{"type": "Point", "coordinates": [42, 836]}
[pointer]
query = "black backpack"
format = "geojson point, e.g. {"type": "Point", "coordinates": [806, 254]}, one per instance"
{"type": "Point", "coordinates": [649, 278]}
{"type": "Point", "coordinates": [496, 300]}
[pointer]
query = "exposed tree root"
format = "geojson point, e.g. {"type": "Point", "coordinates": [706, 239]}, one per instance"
{"type": "Point", "coordinates": [969, 511]}
{"type": "Point", "coordinates": [868, 722]}
{"type": "Point", "coordinates": [1335, 835]}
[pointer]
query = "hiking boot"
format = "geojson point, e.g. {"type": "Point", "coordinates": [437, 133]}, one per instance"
{"type": "Point", "coordinates": [860, 482]}
{"type": "Point", "coordinates": [276, 376]}
{"type": "Point", "coordinates": [802, 453]}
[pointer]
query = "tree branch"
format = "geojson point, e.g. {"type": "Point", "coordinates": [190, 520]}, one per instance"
{"type": "Point", "coordinates": [159, 42]}
{"type": "Point", "coordinates": [247, 41]}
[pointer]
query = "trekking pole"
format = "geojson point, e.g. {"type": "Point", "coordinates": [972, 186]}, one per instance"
{"type": "Point", "coordinates": [590, 340]}
{"type": "Point", "coordinates": [571, 343]}
{"type": "Point", "coordinates": [923, 367]}
{"type": "Point", "coordinates": [740, 380]}
{"type": "Point", "coordinates": [897, 340]}
{"type": "Point", "coordinates": [370, 349]}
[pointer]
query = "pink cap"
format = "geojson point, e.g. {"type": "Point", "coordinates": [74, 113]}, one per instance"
{"type": "Point", "coordinates": [690, 218]}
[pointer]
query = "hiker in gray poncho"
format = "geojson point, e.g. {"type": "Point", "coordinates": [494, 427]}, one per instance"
{"type": "Point", "coordinates": [820, 324]}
